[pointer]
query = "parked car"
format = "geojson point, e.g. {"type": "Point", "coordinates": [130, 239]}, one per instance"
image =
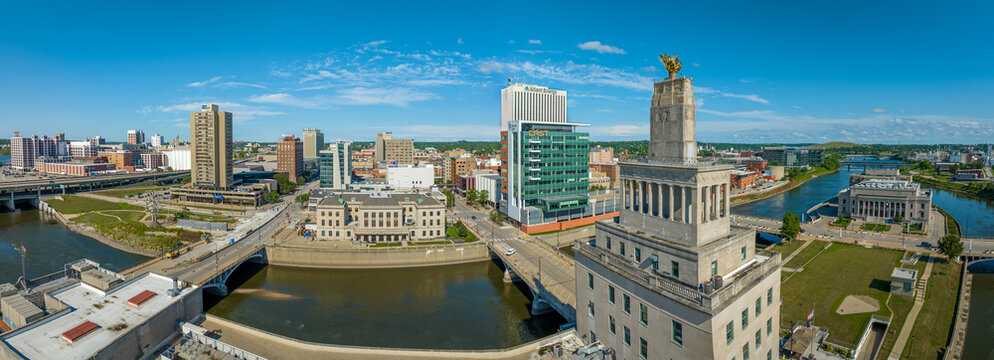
{"type": "Point", "coordinates": [926, 244]}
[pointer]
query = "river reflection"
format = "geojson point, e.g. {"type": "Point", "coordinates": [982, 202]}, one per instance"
{"type": "Point", "coordinates": [466, 306]}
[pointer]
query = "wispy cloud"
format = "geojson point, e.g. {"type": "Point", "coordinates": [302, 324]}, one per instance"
{"type": "Point", "coordinates": [701, 90]}
{"type": "Point", "coordinates": [535, 42]}
{"type": "Point", "coordinates": [396, 96]}
{"type": "Point", "coordinates": [878, 110]}
{"type": "Point", "coordinates": [600, 48]}
{"type": "Point", "coordinates": [285, 99]}
{"type": "Point", "coordinates": [240, 112]}
{"type": "Point", "coordinates": [205, 82]}
{"type": "Point", "coordinates": [235, 84]}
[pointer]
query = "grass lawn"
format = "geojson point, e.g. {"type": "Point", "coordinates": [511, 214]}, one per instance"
{"type": "Point", "coordinates": [123, 192]}
{"type": "Point", "coordinates": [806, 254]}
{"type": "Point", "coordinates": [935, 320]}
{"type": "Point", "coordinates": [841, 222]}
{"type": "Point", "coordinates": [901, 307]}
{"type": "Point", "coordinates": [875, 227]}
{"type": "Point", "coordinates": [785, 248]}
{"type": "Point", "coordinates": [78, 204]}
{"type": "Point", "coordinates": [839, 271]}
{"type": "Point", "coordinates": [199, 217]}
{"type": "Point", "coordinates": [951, 227]}
{"type": "Point", "coordinates": [105, 217]}
{"type": "Point", "coordinates": [386, 244]}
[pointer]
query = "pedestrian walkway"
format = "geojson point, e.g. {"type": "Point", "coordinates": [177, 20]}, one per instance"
{"type": "Point", "coordinates": [798, 251]}
{"type": "Point", "coordinates": [909, 323]}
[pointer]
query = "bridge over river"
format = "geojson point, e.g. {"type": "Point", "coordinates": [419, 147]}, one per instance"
{"type": "Point", "coordinates": [31, 190]}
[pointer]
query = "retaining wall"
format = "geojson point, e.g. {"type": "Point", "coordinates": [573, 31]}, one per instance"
{"type": "Point", "coordinates": [408, 256]}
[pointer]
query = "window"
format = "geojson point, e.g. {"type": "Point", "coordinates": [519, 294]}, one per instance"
{"type": "Point", "coordinates": [628, 336]}
{"type": "Point", "coordinates": [644, 314]}
{"type": "Point", "coordinates": [610, 293]}
{"type": "Point", "coordinates": [759, 338]}
{"type": "Point", "coordinates": [593, 337]}
{"type": "Point", "coordinates": [769, 326]}
{"type": "Point", "coordinates": [626, 303]}
{"type": "Point", "coordinates": [677, 333]}
{"type": "Point", "coordinates": [655, 262]}
{"type": "Point", "coordinates": [769, 355]}
{"type": "Point", "coordinates": [745, 318]}
{"type": "Point", "coordinates": [714, 268]}
{"type": "Point", "coordinates": [609, 243]}
{"type": "Point", "coordinates": [638, 254]}
{"type": "Point", "coordinates": [643, 348]}
{"type": "Point", "coordinates": [743, 253]}
{"type": "Point", "coordinates": [675, 268]}
{"type": "Point", "coordinates": [621, 250]}
{"type": "Point", "coordinates": [590, 281]}
{"type": "Point", "coordinates": [590, 308]}
{"type": "Point", "coordinates": [769, 297]}
{"type": "Point", "coordinates": [759, 302]}
{"type": "Point", "coordinates": [745, 351]}
{"type": "Point", "coordinates": [729, 332]}
{"type": "Point", "coordinates": [610, 323]}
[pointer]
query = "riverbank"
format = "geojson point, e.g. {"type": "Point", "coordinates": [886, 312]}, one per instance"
{"type": "Point", "coordinates": [950, 187]}
{"type": "Point", "coordinates": [376, 258]}
{"type": "Point", "coordinates": [275, 346]}
{"type": "Point", "coordinates": [92, 233]}
{"type": "Point", "coordinates": [790, 185]}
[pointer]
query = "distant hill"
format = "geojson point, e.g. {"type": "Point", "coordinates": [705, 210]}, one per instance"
{"type": "Point", "coordinates": [838, 145]}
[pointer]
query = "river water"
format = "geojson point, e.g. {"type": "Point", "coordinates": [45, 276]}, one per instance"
{"type": "Point", "coordinates": [465, 306]}
{"type": "Point", "coordinates": [980, 325]}
{"type": "Point", "coordinates": [49, 246]}
{"type": "Point", "coordinates": [973, 214]}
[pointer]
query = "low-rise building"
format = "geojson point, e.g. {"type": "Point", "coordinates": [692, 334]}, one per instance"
{"type": "Point", "coordinates": [489, 183]}
{"type": "Point", "coordinates": [902, 282]}
{"type": "Point", "coordinates": [408, 177]}
{"type": "Point", "coordinates": [610, 169]}
{"type": "Point", "coordinates": [790, 156]}
{"type": "Point", "coordinates": [879, 174]}
{"type": "Point", "coordinates": [241, 197]}
{"type": "Point", "coordinates": [743, 179]}
{"type": "Point", "coordinates": [379, 217]}
{"type": "Point", "coordinates": [882, 200]}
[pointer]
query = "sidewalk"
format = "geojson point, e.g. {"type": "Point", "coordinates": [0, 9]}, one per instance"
{"type": "Point", "coordinates": [909, 323]}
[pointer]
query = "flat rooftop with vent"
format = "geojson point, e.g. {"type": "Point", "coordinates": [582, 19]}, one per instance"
{"type": "Point", "coordinates": [124, 322]}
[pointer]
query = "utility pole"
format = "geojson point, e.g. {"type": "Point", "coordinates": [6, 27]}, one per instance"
{"type": "Point", "coordinates": [150, 200]}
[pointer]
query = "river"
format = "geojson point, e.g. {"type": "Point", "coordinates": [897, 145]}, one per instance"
{"type": "Point", "coordinates": [466, 306]}
{"type": "Point", "coordinates": [974, 214]}
{"type": "Point", "coordinates": [980, 325]}
{"type": "Point", "coordinates": [49, 246]}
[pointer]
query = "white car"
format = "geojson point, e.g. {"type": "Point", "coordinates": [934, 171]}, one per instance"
{"type": "Point", "coordinates": [509, 252]}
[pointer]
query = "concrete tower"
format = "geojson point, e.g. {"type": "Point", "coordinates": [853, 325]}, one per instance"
{"type": "Point", "coordinates": [672, 121]}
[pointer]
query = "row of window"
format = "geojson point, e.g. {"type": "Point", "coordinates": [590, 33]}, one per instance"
{"type": "Point", "coordinates": [674, 265]}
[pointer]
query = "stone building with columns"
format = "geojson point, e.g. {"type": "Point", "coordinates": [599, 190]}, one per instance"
{"type": "Point", "coordinates": [880, 200]}
{"type": "Point", "coordinates": [671, 279]}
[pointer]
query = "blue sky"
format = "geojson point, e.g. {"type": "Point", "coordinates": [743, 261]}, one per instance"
{"type": "Point", "coordinates": [871, 72]}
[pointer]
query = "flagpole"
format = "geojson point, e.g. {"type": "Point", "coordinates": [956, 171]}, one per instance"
{"type": "Point", "coordinates": [23, 273]}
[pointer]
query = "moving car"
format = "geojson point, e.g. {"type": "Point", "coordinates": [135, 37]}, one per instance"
{"type": "Point", "coordinates": [509, 252]}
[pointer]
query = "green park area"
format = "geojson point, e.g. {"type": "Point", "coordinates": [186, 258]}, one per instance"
{"type": "Point", "coordinates": [875, 227]}
{"type": "Point", "coordinates": [841, 222]}
{"type": "Point", "coordinates": [785, 248]}
{"type": "Point", "coordinates": [386, 244]}
{"type": "Point", "coordinates": [122, 222]}
{"type": "Point", "coordinates": [460, 231]}
{"type": "Point", "coordinates": [828, 277]}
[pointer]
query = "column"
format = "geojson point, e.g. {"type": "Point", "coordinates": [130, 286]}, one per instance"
{"type": "Point", "coordinates": [638, 195]}
{"type": "Point", "coordinates": [706, 204]}
{"type": "Point", "coordinates": [714, 202]}
{"type": "Point", "coordinates": [695, 205]}
{"type": "Point", "coordinates": [659, 194]}
{"type": "Point", "coordinates": [650, 199]}
{"type": "Point", "coordinates": [631, 194]}
{"type": "Point", "coordinates": [683, 204]}
{"type": "Point", "coordinates": [669, 188]}
{"type": "Point", "coordinates": [728, 201]}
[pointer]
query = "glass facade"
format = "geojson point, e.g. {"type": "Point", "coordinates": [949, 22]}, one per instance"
{"type": "Point", "coordinates": [336, 153]}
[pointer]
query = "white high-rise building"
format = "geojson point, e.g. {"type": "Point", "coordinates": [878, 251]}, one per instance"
{"type": "Point", "coordinates": [178, 158]}
{"type": "Point", "coordinates": [524, 102]}
{"type": "Point", "coordinates": [157, 141]}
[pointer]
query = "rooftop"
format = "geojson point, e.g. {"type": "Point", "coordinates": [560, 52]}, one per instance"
{"type": "Point", "coordinates": [900, 273]}
{"type": "Point", "coordinates": [378, 199]}
{"type": "Point", "coordinates": [109, 311]}
{"type": "Point", "coordinates": [887, 184]}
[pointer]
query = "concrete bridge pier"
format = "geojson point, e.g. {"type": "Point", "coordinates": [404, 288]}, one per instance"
{"type": "Point", "coordinates": [540, 306]}
{"type": "Point", "coordinates": [8, 203]}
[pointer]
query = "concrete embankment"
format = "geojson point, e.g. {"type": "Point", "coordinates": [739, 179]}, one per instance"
{"type": "Point", "coordinates": [273, 346]}
{"type": "Point", "coordinates": [93, 233]}
{"type": "Point", "coordinates": [389, 257]}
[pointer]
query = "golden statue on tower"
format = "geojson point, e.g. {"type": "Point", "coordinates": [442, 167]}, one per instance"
{"type": "Point", "coordinates": [672, 64]}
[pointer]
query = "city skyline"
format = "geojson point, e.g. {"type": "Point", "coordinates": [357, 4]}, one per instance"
{"type": "Point", "coordinates": [768, 74]}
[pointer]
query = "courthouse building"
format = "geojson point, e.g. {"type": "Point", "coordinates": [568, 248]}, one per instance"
{"type": "Point", "coordinates": [881, 201]}
{"type": "Point", "coordinates": [376, 217]}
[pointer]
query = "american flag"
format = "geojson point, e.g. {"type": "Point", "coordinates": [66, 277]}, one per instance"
{"type": "Point", "coordinates": [811, 315]}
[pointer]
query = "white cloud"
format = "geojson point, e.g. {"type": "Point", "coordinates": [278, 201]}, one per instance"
{"type": "Point", "coordinates": [535, 42]}
{"type": "Point", "coordinates": [397, 96]}
{"type": "Point", "coordinates": [459, 41]}
{"type": "Point", "coordinates": [510, 42]}
{"type": "Point", "coordinates": [205, 82]}
{"type": "Point", "coordinates": [234, 84]}
{"type": "Point", "coordinates": [285, 99]}
{"type": "Point", "coordinates": [878, 110]}
{"type": "Point", "coordinates": [701, 90]}
{"type": "Point", "coordinates": [446, 132]}
{"type": "Point", "coordinates": [488, 67]}
{"type": "Point", "coordinates": [240, 112]}
{"type": "Point", "coordinates": [572, 73]}
{"type": "Point", "coordinates": [600, 48]}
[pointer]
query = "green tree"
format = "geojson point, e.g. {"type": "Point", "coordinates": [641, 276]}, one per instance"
{"type": "Point", "coordinates": [449, 198]}
{"type": "Point", "coordinates": [898, 218]}
{"type": "Point", "coordinates": [951, 246]}
{"type": "Point", "coordinates": [285, 186]}
{"type": "Point", "coordinates": [185, 179]}
{"type": "Point", "coordinates": [302, 198]}
{"type": "Point", "coordinates": [471, 196]}
{"type": "Point", "coordinates": [482, 196]}
{"type": "Point", "coordinates": [791, 227]}
{"type": "Point", "coordinates": [496, 217]}
{"type": "Point", "coordinates": [301, 179]}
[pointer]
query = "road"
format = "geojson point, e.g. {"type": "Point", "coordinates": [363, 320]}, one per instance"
{"type": "Point", "coordinates": [77, 180]}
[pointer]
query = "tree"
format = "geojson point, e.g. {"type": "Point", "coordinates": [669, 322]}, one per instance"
{"type": "Point", "coordinates": [302, 198]}
{"type": "Point", "coordinates": [301, 179]}
{"type": "Point", "coordinates": [497, 217]}
{"type": "Point", "coordinates": [791, 227]}
{"type": "Point", "coordinates": [951, 246]}
{"type": "Point", "coordinates": [482, 196]}
{"type": "Point", "coordinates": [471, 196]}
{"type": "Point", "coordinates": [283, 183]}
{"type": "Point", "coordinates": [898, 218]}
{"type": "Point", "coordinates": [449, 198]}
